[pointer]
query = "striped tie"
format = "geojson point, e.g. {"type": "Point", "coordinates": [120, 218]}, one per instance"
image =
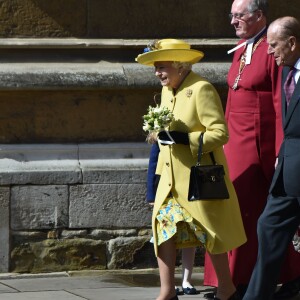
{"type": "Point", "coordinates": [289, 85]}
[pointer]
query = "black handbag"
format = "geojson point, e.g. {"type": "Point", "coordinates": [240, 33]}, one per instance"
{"type": "Point", "coordinates": [207, 181]}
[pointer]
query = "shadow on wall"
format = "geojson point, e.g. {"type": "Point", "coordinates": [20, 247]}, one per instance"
{"type": "Point", "coordinates": [115, 19]}
{"type": "Point", "coordinates": [125, 19]}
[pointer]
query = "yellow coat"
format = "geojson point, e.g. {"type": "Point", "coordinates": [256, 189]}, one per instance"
{"type": "Point", "coordinates": [197, 108]}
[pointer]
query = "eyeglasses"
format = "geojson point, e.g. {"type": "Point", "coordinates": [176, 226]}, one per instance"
{"type": "Point", "coordinates": [239, 16]}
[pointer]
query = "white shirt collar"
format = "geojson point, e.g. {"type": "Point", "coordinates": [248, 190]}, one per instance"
{"type": "Point", "coordinates": [247, 42]}
{"type": "Point", "coordinates": [297, 73]}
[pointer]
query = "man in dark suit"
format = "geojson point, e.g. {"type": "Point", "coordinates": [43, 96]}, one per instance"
{"type": "Point", "coordinates": [281, 217]}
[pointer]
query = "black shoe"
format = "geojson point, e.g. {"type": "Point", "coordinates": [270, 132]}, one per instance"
{"type": "Point", "coordinates": [177, 291]}
{"type": "Point", "coordinates": [288, 290]}
{"type": "Point", "coordinates": [189, 291]}
{"type": "Point", "coordinates": [210, 295]}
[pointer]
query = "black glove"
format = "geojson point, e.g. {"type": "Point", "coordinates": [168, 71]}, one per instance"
{"type": "Point", "coordinates": [177, 136]}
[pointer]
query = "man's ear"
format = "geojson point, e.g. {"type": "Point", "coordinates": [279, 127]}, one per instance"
{"type": "Point", "coordinates": [292, 42]}
{"type": "Point", "coordinates": [259, 15]}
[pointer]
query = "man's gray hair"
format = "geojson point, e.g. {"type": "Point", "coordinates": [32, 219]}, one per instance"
{"type": "Point", "coordinates": [262, 5]}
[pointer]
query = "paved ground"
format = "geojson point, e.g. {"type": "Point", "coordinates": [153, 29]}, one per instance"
{"type": "Point", "coordinates": [91, 285]}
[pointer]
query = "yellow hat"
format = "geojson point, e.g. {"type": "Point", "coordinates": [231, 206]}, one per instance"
{"type": "Point", "coordinates": [169, 50]}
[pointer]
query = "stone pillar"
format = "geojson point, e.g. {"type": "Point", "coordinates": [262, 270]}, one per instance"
{"type": "Point", "coordinates": [4, 229]}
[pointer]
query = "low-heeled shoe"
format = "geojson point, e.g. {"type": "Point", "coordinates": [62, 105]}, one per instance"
{"type": "Point", "coordinates": [210, 295]}
{"type": "Point", "coordinates": [189, 291]}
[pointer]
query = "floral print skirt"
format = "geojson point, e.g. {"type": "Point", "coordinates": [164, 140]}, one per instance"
{"type": "Point", "coordinates": [174, 220]}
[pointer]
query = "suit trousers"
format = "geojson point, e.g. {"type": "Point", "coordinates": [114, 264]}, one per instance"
{"type": "Point", "coordinates": [275, 229]}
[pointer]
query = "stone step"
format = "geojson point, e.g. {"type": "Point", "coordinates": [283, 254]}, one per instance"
{"type": "Point", "coordinates": [98, 75]}
{"type": "Point", "coordinates": [72, 163]}
{"type": "Point", "coordinates": [59, 43]}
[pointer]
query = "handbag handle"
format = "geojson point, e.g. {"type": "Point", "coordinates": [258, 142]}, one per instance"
{"type": "Point", "coordinates": [200, 151]}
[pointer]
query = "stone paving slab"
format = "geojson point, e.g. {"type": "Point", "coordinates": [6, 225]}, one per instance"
{"type": "Point", "coordinates": [130, 293]}
{"type": "Point", "coordinates": [6, 289]}
{"type": "Point", "coordinates": [47, 295]}
{"type": "Point", "coordinates": [121, 285]}
{"type": "Point", "coordinates": [57, 284]}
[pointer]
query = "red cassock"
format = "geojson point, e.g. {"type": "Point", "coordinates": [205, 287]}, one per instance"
{"type": "Point", "coordinates": [253, 113]}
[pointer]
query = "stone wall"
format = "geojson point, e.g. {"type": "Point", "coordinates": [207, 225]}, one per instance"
{"type": "Point", "coordinates": [74, 207]}
{"type": "Point", "coordinates": [130, 19]}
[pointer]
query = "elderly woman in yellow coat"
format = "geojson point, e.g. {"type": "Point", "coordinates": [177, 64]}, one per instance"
{"type": "Point", "coordinates": [177, 222]}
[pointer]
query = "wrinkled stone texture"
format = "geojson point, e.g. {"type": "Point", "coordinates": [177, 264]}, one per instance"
{"type": "Point", "coordinates": [61, 250]}
{"type": "Point", "coordinates": [39, 18]}
{"type": "Point", "coordinates": [123, 251]}
{"type": "Point", "coordinates": [58, 255]}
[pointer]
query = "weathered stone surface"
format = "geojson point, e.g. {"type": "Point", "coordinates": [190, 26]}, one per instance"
{"type": "Point", "coordinates": [4, 229]}
{"type": "Point", "coordinates": [58, 255]}
{"type": "Point", "coordinates": [39, 207]}
{"type": "Point", "coordinates": [131, 18]}
{"type": "Point", "coordinates": [70, 234]}
{"type": "Point", "coordinates": [19, 237]}
{"type": "Point", "coordinates": [99, 75]}
{"type": "Point", "coordinates": [115, 177]}
{"type": "Point", "coordinates": [123, 250]}
{"type": "Point", "coordinates": [102, 234]}
{"type": "Point", "coordinates": [109, 206]}
{"type": "Point", "coordinates": [41, 18]}
{"type": "Point", "coordinates": [73, 116]}
{"type": "Point", "coordinates": [111, 152]}
{"type": "Point", "coordinates": [148, 18]}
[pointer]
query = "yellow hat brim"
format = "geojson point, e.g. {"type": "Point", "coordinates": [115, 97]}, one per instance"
{"type": "Point", "coordinates": [181, 55]}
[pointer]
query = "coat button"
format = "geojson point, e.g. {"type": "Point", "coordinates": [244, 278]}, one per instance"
{"type": "Point", "coordinates": [167, 164]}
{"type": "Point", "coordinates": [169, 184]}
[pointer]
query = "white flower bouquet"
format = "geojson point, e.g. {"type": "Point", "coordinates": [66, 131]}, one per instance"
{"type": "Point", "coordinates": [157, 119]}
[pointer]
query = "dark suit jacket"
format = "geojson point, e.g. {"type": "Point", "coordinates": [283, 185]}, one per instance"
{"type": "Point", "coordinates": [287, 174]}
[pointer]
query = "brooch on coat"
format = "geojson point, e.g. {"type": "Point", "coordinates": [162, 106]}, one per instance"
{"type": "Point", "coordinates": [189, 93]}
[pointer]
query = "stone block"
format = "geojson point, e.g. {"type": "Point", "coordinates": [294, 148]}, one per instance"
{"type": "Point", "coordinates": [41, 18]}
{"type": "Point", "coordinates": [39, 164]}
{"type": "Point", "coordinates": [157, 19]}
{"type": "Point", "coordinates": [102, 234]}
{"type": "Point", "coordinates": [4, 229]}
{"type": "Point", "coordinates": [82, 116]}
{"type": "Point", "coordinates": [124, 252]}
{"type": "Point", "coordinates": [39, 207]}
{"type": "Point", "coordinates": [109, 206]}
{"type": "Point", "coordinates": [58, 255]}
{"type": "Point", "coordinates": [111, 176]}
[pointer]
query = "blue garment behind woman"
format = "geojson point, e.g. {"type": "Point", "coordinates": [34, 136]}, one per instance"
{"type": "Point", "coordinates": [152, 178]}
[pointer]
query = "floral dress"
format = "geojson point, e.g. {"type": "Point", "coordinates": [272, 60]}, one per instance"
{"type": "Point", "coordinates": [174, 220]}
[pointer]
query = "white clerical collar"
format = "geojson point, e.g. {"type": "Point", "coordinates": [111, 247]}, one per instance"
{"type": "Point", "coordinates": [297, 73]}
{"type": "Point", "coordinates": [249, 44]}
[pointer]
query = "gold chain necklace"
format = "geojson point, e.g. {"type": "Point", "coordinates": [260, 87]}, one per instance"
{"type": "Point", "coordinates": [243, 64]}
